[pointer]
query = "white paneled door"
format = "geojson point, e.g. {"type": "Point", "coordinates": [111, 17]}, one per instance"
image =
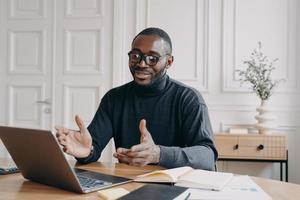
{"type": "Point", "coordinates": [26, 63]}
{"type": "Point", "coordinates": [52, 58]}
{"type": "Point", "coordinates": [83, 48]}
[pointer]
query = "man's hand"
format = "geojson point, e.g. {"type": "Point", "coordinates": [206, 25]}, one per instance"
{"type": "Point", "coordinates": [142, 154]}
{"type": "Point", "coordinates": [75, 143]}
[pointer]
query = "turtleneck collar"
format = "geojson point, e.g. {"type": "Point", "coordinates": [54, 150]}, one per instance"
{"type": "Point", "coordinates": [152, 89]}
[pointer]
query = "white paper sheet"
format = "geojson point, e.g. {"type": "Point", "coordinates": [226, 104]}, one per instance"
{"type": "Point", "coordinates": [240, 187]}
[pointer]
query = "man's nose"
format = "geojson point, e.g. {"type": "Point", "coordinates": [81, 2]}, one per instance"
{"type": "Point", "coordinates": [142, 63]}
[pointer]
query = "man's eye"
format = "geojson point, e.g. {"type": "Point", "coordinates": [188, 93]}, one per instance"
{"type": "Point", "coordinates": [152, 59]}
{"type": "Point", "coordinates": [135, 56]}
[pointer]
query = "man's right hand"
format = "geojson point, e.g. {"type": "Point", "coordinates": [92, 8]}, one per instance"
{"type": "Point", "coordinates": [75, 143]}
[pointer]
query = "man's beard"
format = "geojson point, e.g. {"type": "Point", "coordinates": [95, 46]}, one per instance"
{"type": "Point", "coordinates": [154, 78]}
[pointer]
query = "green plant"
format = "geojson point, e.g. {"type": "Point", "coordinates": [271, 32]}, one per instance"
{"type": "Point", "coordinates": [258, 74]}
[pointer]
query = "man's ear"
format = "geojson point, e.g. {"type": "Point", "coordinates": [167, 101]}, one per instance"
{"type": "Point", "coordinates": [170, 61]}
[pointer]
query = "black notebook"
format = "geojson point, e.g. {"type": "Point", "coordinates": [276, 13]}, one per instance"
{"type": "Point", "coordinates": [154, 191]}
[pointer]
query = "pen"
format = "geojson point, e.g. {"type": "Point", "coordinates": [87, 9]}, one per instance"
{"type": "Point", "coordinates": [187, 197]}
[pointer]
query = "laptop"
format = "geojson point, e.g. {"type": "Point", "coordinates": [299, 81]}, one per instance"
{"type": "Point", "coordinates": [39, 157]}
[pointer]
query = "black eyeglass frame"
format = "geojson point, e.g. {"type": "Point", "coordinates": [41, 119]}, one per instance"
{"type": "Point", "coordinates": [145, 57]}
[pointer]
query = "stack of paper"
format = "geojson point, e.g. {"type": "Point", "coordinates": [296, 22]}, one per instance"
{"type": "Point", "coordinates": [240, 187]}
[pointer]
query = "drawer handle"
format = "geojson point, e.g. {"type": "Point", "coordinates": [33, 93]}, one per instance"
{"type": "Point", "coordinates": [260, 147]}
{"type": "Point", "coordinates": [236, 147]}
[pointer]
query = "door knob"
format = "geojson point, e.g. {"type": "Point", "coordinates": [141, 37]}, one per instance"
{"type": "Point", "coordinates": [46, 101]}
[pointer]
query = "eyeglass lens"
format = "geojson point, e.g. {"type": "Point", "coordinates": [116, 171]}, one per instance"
{"type": "Point", "coordinates": [136, 57]}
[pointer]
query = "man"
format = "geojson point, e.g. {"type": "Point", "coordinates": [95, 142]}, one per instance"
{"type": "Point", "coordinates": [178, 131]}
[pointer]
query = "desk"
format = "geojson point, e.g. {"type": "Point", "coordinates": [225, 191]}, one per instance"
{"type": "Point", "coordinates": [14, 186]}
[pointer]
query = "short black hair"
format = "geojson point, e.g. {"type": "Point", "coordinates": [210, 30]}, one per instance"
{"type": "Point", "coordinates": [158, 32]}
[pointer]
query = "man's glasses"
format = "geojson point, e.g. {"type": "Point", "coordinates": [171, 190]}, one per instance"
{"type": "Point", "coordinates": [136, 57]}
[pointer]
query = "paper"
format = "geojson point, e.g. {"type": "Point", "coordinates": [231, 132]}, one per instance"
{"type": "Point", "coordinates": [112, 194]}
{"type": "Point", "coordinates": [240, 187]}
{"type": "Point", "coordinates": [168, 175]}
{"type": "Point", "coordinates": [204, 179]}
{"type": "Point", "coordinates": [188, 177]}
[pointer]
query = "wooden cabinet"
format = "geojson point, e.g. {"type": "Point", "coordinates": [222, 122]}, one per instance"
{"type": "Point", "coordinates": [251, 146]}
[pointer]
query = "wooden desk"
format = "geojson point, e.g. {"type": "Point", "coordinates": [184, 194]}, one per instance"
{"type": "Point", "coordinates": [14, 186]}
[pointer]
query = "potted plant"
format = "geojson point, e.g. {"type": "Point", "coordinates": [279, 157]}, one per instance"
{"type": "Point", "coordinates": [258, 74]}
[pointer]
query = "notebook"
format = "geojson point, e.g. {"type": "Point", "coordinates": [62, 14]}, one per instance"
{"type": "Point", "coordinates": [188, 177]}
{"type": "Point", "coordinates": [155, 191]}
{"type": "Point", "coordinates": [39, 157]}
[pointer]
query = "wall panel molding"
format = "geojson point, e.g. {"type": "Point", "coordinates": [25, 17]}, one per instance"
{"type": "Point", "coordinates": [29, 9]}
{"type": "Point", "coordinates": [230, 48]}
{"type": "Point", "coordinates": [119, 43]}
{"type": "Point", "coordinates": [23, 109]}
{"type": "Point", "coordinates": [80, 99]}
{"type": "Point", "coordinates": [225, 125]}
{"type": "Point", "coordinates": [27, 51]}
{"type": "Point", "coordinates": [250, 108]}
{"type": "Point", "coordinates": [83, 51]}
{"type": "Point", "coordinates": [84, 8]}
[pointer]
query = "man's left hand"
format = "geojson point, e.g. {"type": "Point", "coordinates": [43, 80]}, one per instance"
{"type": "Point", "coordinates": [142, 154]}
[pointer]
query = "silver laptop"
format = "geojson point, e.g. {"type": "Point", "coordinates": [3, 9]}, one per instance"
{"type": "Point", "coordinates": [39, 157]}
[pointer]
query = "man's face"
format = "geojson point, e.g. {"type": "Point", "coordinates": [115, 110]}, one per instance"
{"type": "Point", "coordinates": [152, 49]}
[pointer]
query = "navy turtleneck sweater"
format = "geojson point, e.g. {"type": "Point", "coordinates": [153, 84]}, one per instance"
{"type": "Point", "coordinates": [176, 116]}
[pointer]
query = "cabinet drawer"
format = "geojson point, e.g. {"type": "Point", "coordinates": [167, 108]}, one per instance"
{"type": "Point", "coordinates": [227, 146]}
{"type": "Point", "coordinates": [251, 147]}
{"type": "Point", "coordinates": [275, 147]}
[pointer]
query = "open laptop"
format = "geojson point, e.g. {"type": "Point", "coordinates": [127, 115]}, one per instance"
{"type": "Point", "coordinates": [39, 157]}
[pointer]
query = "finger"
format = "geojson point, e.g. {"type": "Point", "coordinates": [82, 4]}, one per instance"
{"type": "Point", "coordinates": [122, 150]}
{"type": "Point", "coordinates": [132, 161]}
{"type": "Point", "coordinates": [66, 149]}
{"type": "Point", "coordinates": [139, 147]}
{"type": "Point", "coordinates": [123, 158]}
{"type": "Point", "coordinates": [58, 127]}
{"type": "Point", "coordinates": [62, 142]}
{"type": "Point", "coordinates": [118, 155]}
{"type": "Point", "coordinates": [138, 162]}
{"type": "Point", "coordinates": [61, 138]}
{"type": "Point", "coordinates": [140, 154]}
{"type": "Point", "coordinates": [60, 130]}
{"type": "Point", "coordinates": [143, 130]}
{"type": "Point", "coordinates": [64, 131]}
{"type": "Point", "coordinates": [115, 155]}
{"type": "Point", "coordinates": [80, 124]}
{"type": "Point", "coordinates": [59, 134]}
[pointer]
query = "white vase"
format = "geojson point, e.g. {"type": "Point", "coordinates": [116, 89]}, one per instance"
{"type": "Point", "coordinates": [265, 118]}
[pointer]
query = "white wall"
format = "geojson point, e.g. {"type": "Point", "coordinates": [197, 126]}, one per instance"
{"type": "Point", "coordinates": [210, 39]}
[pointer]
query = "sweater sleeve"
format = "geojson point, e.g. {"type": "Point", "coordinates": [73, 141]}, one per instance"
{"type": "Point", "coordinates": [100, 129]}
{"type": "Point", "coordinates": [199, 151]}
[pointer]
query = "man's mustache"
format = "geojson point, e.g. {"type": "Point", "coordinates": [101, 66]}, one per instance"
{"type": "Point", "coordinates": [140, 69]}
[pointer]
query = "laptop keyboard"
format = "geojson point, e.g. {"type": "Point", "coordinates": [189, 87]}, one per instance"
{"type": "Point", "coordinates": [90, 182]}
{"type": "Point", "coordinates": [8, 170]}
